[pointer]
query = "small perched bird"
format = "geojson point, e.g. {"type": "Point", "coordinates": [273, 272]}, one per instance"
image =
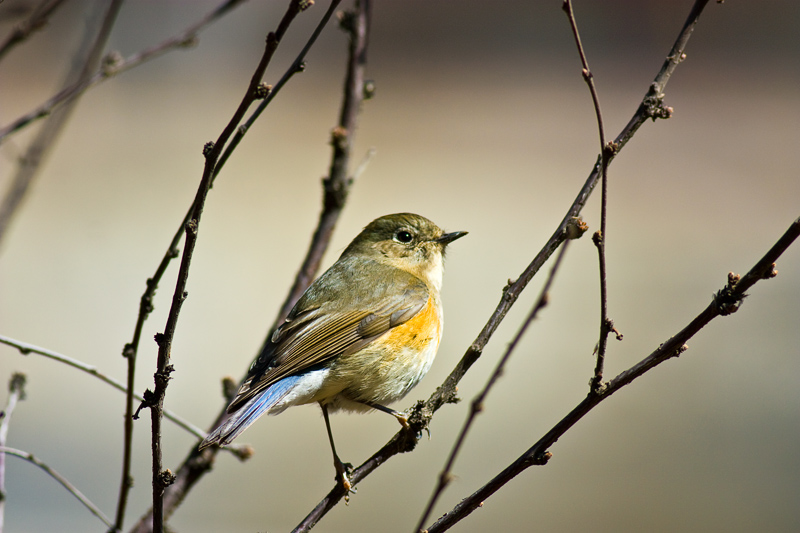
{"type": "Point", "coordinates": [362, 335]}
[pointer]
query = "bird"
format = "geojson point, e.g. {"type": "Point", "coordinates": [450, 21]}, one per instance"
{"type": "Point", "coordinates": [362, 335]}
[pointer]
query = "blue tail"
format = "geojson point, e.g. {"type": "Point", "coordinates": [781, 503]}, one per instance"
{"type": "Point", "coordinates": [250, 412]}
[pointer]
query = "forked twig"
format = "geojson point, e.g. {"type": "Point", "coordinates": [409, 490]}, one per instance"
{"type": "Point", "coordinates": [130, 351]}
{"type": "Point", "coordinates": [651, 107]}
{"type": "Point", "coordinates": [16, 392]}
{"type": "Point", "coordinates": [198, 463]}
{"type": "Point", "coordinates": [154, 400]}
{"type": "Point", "coordinates": [113, 65]}
{"type": "Point", "coordinates": [477, 404]}
{"type": "Point", "coordinates": [4, 450]}
{"type": "Point", "coordinates": [599, 237]}
{"type": "Point", "coordinates": [35, 22]}
{"type": "Point", "coordinates": [84, 63]}
{"type": "Point", "coordinates": [725, 302]}
{"type": "Point", "coordinates": [26, 348]}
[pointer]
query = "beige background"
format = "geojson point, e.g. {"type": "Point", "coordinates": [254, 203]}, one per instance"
{"type": "Point", "coordinates": [481, 122]}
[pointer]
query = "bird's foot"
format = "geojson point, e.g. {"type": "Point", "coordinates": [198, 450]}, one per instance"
{"type": "Point", "coordinates": [403, 419]}
{"type": "Point", "coordinates": [343, 471]}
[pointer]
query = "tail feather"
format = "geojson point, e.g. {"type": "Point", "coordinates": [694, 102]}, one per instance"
{"type": "Point", "coordinates": [240, 420]}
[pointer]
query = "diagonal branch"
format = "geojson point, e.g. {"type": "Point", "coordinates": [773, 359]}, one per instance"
{"type": "Point", "coordinates": [16, 392]}
{"type": "Point", "coordinates": [113, 64]}
{"type": "Point", "coordinates": [725, 302]}
{"type": "Point", "coordinates": [61, 479]}
{"type": "Point", "coordinates": [25, 348]}
{"type": "Point", "coordinates": [35, 22]}
{"type": "Point", "coordinates": [86, 60]}
{"type": "Point", "coordinates": [197, 464]}
{"type": "Point", "coordinates": [405, 440]}
{"type": "Point", "coordinates": [476, 407]}
{"type": "Point", "coordinates": [16, 389]}
{"type": "Point", "coordinates": [599, 238]}
{"type": "Point", "coordinates": [155, 399]}
{"type": "Point", "coordinates": [131, 349]}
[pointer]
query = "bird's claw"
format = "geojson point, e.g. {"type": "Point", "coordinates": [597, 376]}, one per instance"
{"type": "Point", "coordinates": [403, 419]}
{"type": "Point", "coordinates": [343, 471]}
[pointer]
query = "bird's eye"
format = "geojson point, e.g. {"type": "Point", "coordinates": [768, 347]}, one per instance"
{"type": "Point", "coordinates": [403, 236]}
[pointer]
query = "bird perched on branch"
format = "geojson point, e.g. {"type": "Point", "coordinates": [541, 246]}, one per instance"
{"type": "Point", "coordinates": [362, 335]}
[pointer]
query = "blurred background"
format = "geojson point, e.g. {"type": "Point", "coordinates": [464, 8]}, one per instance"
{"type": "Point", "coordinates": [481, 122]}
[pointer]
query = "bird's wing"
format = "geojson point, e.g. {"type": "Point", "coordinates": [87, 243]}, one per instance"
{"type": "Point", "coordinates": [345, 311]}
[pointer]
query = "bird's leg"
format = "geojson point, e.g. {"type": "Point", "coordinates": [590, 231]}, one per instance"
{"type": "Point", "coordinates": [343, 470]}
{"type": "Point", "coordinates": [403, 419]}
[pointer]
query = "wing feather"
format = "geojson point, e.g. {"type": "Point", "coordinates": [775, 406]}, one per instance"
{"type": "Point", "coordinates": [317, 329]}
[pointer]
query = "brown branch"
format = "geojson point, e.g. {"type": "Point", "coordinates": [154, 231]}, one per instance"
{"type": "Point", "coordinates": [86, 61]}
{"type": "Point", "coordinates": [725, 302]}
{"type": "Point", "coordinates": [599, 238]}
{"type": "Point", "coordinates": [588, 77]}
{"type": "Point", "coordinates": [35, 22]}
{"type": "Point", "coordinates": [131, 349]}
{"type": "Point", "coordinates": [421, 414]}
{"type": "Point", "coordinates": [72, 489]}
{"type": "Point", "coordinates": [476, 407]}
{"type": "Point", "coordinates": [298, 65]}
{"type": "Point", "coordinates": [155, 399]}
{"type": "Point", "coordinates": [337, 184]}
{"type": "Point", "coordinates": [113, 64]}
{"type": "Point", "coordinates": [16, 392]}
{"type": "Point", "coordinates": [198, 463]}
{"type": "Point", "coordinates": [25, 348]}
{"type": "Point", "coordinates": [16, 389]}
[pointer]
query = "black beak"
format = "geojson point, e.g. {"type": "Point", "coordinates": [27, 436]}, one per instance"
{"type": "Point", "coordinates": [447, 238]}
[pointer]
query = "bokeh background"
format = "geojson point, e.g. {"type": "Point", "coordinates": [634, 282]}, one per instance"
{"type": "Point", "coordinates": [481, 122]}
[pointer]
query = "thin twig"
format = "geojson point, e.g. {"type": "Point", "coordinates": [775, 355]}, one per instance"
{"type": "Point", "coordinates": [146, 303]}
{"type": "Point", "coordinates": [16, 387]}
{"type": "Point", "coordinates": [588, 77]}
{"type": "Point", "coordinates": [16, 392]}
{"type": "Point", "coordinates": [154, 400]}
{"type": "Point", "coordinates": [477, 405]}
{"type": "Point", "coordinates": [725, 302]}
{"type": "Point", "coordinates": [85, 62]}
{"type": "Point", "coordinates": [404, 441]}
{"type": "Point", "coordinates": [130, 351]}
{"type": "Point", "coordinates": [113, 65]}
{"type": "Point", "coordinates": [61, 479]}
{"type": "Point", "coordinates": [298, 65]}
{"type": "Point", "coordinates": [337, 184]}
{"type": "Point", "coordinates": [26, 348]}
{"type": "Point", "coordinates": [36, 21]}
{"type": "Point", "coordinates": [599, 238]}
{"type": "Point", "coordinates": [198, 463]}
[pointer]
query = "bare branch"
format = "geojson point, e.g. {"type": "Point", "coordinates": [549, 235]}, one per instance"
{"type": "Point", "coordinates": [113, 64]}
{"type": "Point", "coordinates": [85, 62]}
{"type": "Point", "coordinates": [588, 77]}
{"type": "Point", "coordinates": [131, 349]}
{"type": "Point", "coordinates": [298, 65]}
{"type": "Point", "coordinates": [198, 463]}
{"type": "Point", "coordinates": [35, 22]}
{"type": "Point", "coordinates": [26, 348]}
{"type": "Point", "coordinates": [422, 412]}
{"type": "Point", "coordinates": [211, 151]}
{"type": "Point", "coordinates": [725, 302]}
{"type": "Point", "coordinates": [195, 466]}
{"type": "Point", "coordinates": [599, 238]}
{"type": "Point", "coordinates": [476, 407]}
{"type": "Point", "coordinates": [16, 390]}
{"type": "Point", "coordinates": [61, 479]}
